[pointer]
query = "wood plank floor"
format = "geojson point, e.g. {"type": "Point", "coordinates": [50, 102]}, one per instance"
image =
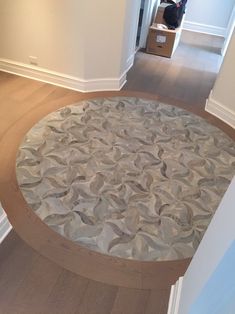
{"type": "Point", "coordinates": [31, 283]}
{"type": "Point", "coordinates": [187, 77]}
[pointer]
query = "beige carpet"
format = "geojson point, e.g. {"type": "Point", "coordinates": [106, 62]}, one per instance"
{"type": "Point", "coordinates": [127, 177]}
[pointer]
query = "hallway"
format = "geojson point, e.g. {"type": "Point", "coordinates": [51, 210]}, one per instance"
{"type": "Point", "coordinates": [29, 282]}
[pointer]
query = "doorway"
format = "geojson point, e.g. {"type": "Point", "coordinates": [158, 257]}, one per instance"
{"type": "Point", "coordinates": [140, 22]}
{"type": "Point", "coordinates": [147, 10]}
{"type": "Point", "coordinates": [230, 29]}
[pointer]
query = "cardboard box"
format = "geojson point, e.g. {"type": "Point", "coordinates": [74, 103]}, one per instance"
{"type": "Point", "coordinates": [162, 42]}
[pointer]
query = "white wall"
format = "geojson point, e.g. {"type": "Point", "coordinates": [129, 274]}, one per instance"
{"type": "Point", "coordinates": [222, 98]}
{"type": "Point", "coordinates": [130, 32]}
{"type": "Point", "coordinates": [5, 226]}
{"type": "Point", "coordinates": [212, 12]}
{"type": "Point", "coordinates": [229, 32]}
{"type": "Point", "coordinates": [209, 258]}
{"type": "Point", "coordinates": [223, 90]}
{"type": "Point", "coordinates": [209, 15]}
{"type": "Point", "coordinates": [81, 43]}
{"type": "Point", "coordinates": [50, 30]}
{"type": "Point", "coordinates": [104, 31]}
{"type": "Point", "coordinates": [218, 294]}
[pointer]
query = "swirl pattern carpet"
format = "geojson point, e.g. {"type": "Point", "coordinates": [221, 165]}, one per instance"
{"type": "Point", "coordinates": [124, 176]}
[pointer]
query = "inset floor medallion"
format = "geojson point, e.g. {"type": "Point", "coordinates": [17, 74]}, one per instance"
{"type": "Point", "coordinates": [127, 177]}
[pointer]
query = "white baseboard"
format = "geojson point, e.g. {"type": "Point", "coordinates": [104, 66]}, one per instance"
{"type": "Point", "coordinates": [220, 111]}
{"type": "Point", "coordinates": [5, 226]}
{"type": "Point", "coordinates": [63, 80]}
{"type": "Point", "coordinates": [174, 301]}
{"type": "Point", "coordinates": [204, 28]}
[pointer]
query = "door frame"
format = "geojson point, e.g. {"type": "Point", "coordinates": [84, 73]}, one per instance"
{"type": "Point", "coordinates": [229, 32]}
{"type": "Point", "coordinates": [149, 7]}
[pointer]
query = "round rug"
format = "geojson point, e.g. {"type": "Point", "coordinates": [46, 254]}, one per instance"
{"type": "Point", "coordinates": [127, 177]}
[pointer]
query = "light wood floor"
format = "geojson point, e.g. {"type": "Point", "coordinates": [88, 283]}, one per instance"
{"type": "Point", "coordinates": [31, 283]}
{"type": "Point", "coordinates": [187, 77]}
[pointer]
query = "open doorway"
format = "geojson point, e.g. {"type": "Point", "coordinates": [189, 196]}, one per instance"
{"type": "Point", "coordinates": [190, 74]}
{"type": "Point", "coordinates": [147, 10]}
{"type": "Point", "coordinates": [142, 6]}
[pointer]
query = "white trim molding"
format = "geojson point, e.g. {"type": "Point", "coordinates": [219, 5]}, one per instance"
{"type": "Point", "coordinates": [130, 62]}
{"type": "Point", "coordinates": [174, 301]}
{"type": "Point", "coordinates": [5, 226]}
{"type": "Point", "coordinates": [204, 28]}
{"type": "Point", "coordinates": [220, 111]}
{"type": "Point", "coordinates": [229, 32]}
{"type": "Point", "coordinates": [63, 80]}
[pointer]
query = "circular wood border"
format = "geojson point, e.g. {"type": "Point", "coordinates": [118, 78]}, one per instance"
{"type": "Point", "coordinates": [72, 256]}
